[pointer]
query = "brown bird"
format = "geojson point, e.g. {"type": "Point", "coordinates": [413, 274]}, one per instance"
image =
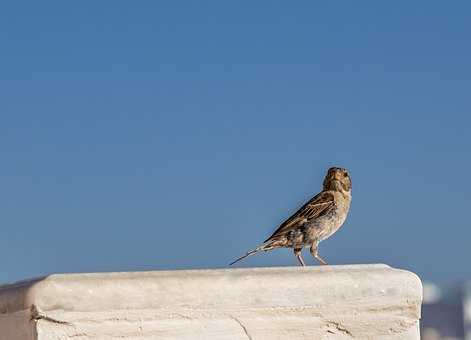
{"type": "Point", "coordinates": [315, 221]}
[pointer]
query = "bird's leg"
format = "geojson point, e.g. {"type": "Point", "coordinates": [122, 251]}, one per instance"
{"type": "Point", "coordinates": [316, 255]}
{"type": "Point", "coordinates": [297, 253]}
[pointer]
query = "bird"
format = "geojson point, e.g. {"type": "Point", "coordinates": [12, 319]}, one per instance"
{"type": "Point", "coordinates": [315, 221]}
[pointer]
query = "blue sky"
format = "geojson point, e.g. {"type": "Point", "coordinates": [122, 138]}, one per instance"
{"type": "Point", "coordinates": [161, 135]}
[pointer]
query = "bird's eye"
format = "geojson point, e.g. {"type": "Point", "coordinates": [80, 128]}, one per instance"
{"type": "Point", "coordinates": [345, 174]}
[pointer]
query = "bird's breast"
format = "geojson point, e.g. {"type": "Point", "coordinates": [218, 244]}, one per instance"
{"type": "Point", "coordinates": [327, 225]}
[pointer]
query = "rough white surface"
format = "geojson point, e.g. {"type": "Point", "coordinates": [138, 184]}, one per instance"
{"type": "Point", "coordinates": [329, 302]}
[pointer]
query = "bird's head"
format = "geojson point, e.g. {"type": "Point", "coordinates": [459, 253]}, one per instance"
{"type": "Point", "coordinates": [338, 179]}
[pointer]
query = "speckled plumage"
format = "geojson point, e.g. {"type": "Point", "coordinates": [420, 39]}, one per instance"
{"type": "Point", "coordinates": [316, 220]}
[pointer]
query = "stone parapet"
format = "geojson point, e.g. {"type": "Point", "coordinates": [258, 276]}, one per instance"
{"type": "Point", "coordinates": [322, 302]}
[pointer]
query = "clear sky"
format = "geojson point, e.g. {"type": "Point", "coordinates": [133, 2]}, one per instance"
{"type": "Point", "coordinates": [145, 135]}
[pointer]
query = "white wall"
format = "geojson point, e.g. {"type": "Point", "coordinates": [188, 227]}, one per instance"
{"type": "Point", "coordinates": [329, 302]}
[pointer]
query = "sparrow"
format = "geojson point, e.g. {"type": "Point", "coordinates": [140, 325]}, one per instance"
{"type": "Point", "coordinates": [315, 221]}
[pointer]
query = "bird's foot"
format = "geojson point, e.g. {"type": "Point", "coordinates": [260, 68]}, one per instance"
{"type": "Point", "coordinates": [297, 253]}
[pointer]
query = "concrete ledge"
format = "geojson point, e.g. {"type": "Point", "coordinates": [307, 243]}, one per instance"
{"type": "Point", "coordinates": [325, 302]}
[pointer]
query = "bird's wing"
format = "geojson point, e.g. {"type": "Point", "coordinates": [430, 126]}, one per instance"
{"type": "Point", "coordinates": [317, 206]}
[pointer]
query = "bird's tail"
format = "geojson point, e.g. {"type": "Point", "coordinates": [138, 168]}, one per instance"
{"type": "Point", "coordinates": [263, 247]}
